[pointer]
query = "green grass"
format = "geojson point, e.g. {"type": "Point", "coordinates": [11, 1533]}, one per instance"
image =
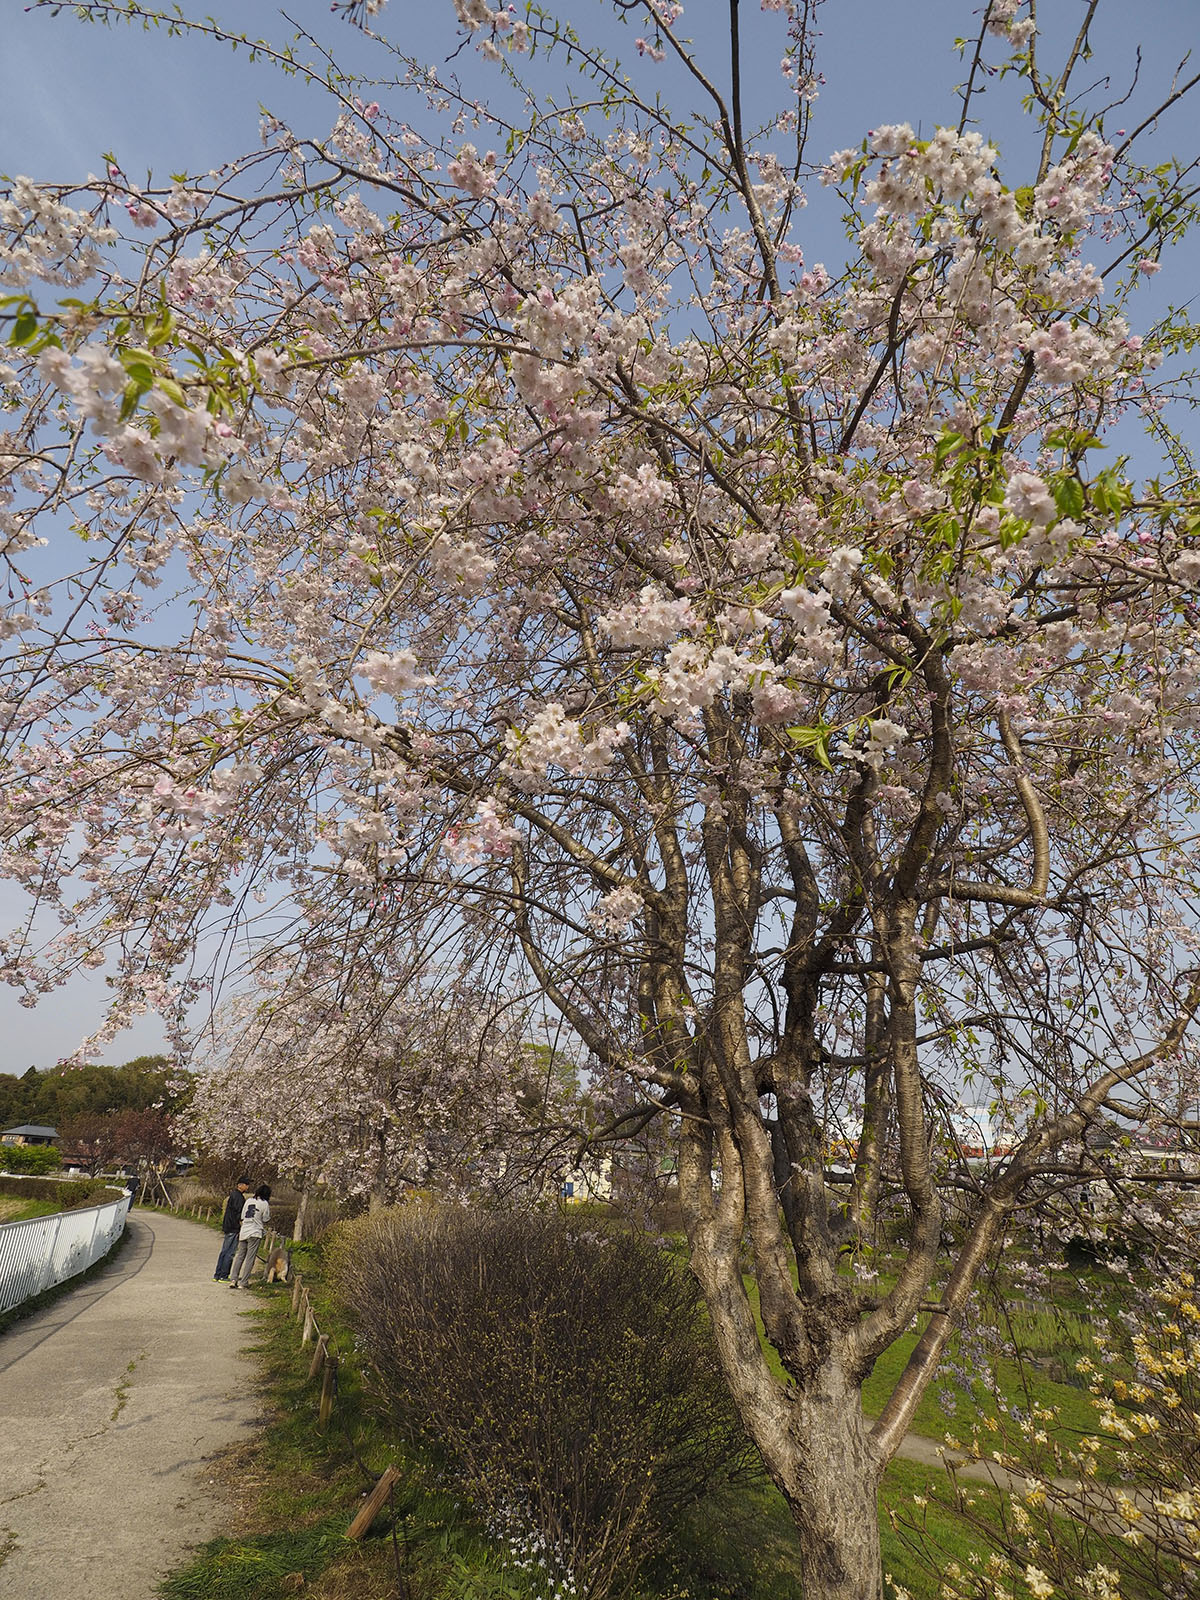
{"type": "Point", "coordinates": [739, 1544]}
{"type": "Point", "coordinates": [1016, 1386]}
{"type": "Point", "coordinates": [22, 1210]}
{"type": "Point", "coordinates": [309, 1487]}
{"type": "Point", "coordinates": [919, 1541]}
{"type": "Point", "coordinates": [259, 1565]}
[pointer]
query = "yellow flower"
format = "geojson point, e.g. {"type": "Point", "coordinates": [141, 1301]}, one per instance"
{"type": "Point", "coordinates": [1181, 1506]}
{"type": "Point", "coordinates": [1127, 1508]}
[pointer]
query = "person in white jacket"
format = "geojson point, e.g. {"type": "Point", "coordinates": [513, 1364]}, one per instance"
{"type": "Point", "coordinates": [256, 1213]}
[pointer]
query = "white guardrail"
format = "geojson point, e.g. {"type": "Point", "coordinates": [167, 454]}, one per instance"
{"type": "Point", "coordinates": [39, 1252]}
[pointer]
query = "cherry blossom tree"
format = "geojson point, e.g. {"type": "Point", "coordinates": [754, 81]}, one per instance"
{"type": "Point", "coordinates": [785, 658]}
{"type": "Point", "coordinates": [377, 1082]}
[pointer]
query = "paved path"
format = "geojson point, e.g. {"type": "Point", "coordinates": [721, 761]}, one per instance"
{"type": "Point", "coordinates": [111, 1401]}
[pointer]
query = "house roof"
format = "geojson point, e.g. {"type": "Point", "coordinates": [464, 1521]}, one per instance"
{"type": "Point", "coordinates": [31, 1130]}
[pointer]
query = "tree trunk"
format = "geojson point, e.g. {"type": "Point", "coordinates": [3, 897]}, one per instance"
{"type": "Point", "coordinates": [810, 1433]}
{"type": "Point", "coordinates": [301, 1212]}
{"type": "Point", "coordinates": [832, 1488]}
{"type": "Point", "coordinates": [815, 1445]}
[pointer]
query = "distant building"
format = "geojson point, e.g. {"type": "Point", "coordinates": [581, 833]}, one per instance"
{"type": "Point", "coordinates": [978, 1134]}
{"type": "Point", "coordinates": [28, 1133]}
{"type": "Point", "coordinates": [974, 1132]}
{"type": "Point", "coordinates": [592, 1181]}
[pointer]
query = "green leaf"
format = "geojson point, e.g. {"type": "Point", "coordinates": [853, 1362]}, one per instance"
{"type": "Point", "coordinates": [24, 328]}
{"type": "Point", "coordinates": [159, 329]}
{"type": "Point", "coordinates": [946, 445]}
{"type": "Point", "coordinates": [1074, 441]}
{"type": "Point", "coordinates": [816, 741]}
{"type": "Point", "coordinates": [133, 392]}
{"type": "Point", "coordinates": [1069, 497]}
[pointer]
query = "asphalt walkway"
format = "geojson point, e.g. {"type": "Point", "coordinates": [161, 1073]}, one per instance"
{"type": "Point", "coordinates": [112, 1400]}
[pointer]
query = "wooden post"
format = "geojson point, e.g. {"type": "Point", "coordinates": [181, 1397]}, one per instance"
{"type": "Point", "coordinates": [373, 1504]}
{"type": "Point", "coordinates": [328, 1386]}
{"type": "Point", "coordinates": [297, 1284]}
{"type": "Point", "coordinates": [318, 1360]}
{"type": "Point", "coordinates": [309, 1320]}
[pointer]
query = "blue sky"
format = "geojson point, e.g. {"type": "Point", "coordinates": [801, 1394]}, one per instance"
{"type": "Point", "coordinates": [70, 91]}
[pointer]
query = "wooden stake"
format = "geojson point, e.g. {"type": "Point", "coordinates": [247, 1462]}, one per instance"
{"type": "Point", "coordinates": [373, 1504]}
{"type": "Point", "coordinates": [328, 1385]}
{"type": "Point", "coordinates": [309, 1320]}
{"type": "Point", "coordinates": [318, 1360]}
{"type": "Point", "coordinates": [297, 1285]}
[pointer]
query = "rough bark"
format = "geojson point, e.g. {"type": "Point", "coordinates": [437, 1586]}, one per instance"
{"type": "Point", "coordinates": [302, 1206]}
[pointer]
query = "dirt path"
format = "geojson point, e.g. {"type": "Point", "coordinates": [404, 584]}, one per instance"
{"type": "Point", "coordinates": [916, 1447]}
{"type": "Point", "coordinates": [111, 1402]}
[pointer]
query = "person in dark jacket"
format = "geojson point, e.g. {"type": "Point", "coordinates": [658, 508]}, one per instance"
{"type": "Point", "coordinates": [231, 1226]}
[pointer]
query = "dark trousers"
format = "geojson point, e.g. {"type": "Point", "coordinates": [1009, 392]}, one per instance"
{"type": "Point", "coordinates": [229, 1242]}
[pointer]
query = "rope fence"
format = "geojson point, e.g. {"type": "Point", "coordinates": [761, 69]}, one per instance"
{"type": "Point", "coordinates": [324, 1365]}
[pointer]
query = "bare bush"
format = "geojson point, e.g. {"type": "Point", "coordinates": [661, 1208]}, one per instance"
{"type": "Point", "coordinates": [564, 1372]}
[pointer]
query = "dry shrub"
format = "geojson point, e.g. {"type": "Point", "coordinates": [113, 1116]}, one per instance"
{"type": "Point", "coordinates": [565, 1373]}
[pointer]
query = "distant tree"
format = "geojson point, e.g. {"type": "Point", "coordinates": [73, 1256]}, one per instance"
{"type": "Point", "coordinates": [55, 1095]}
{"type": "Point", "coordinates": [86, 1140]}
{"type": "Point", "coordinates": [389, 1083]}
{"type": "Point", "coordinates": [143, 1138]}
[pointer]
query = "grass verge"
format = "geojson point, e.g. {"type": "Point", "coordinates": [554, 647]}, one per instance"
{"type": "Point", "coordinates": [295, 1493]}
{"type": "Point", "coordinates": [12, 1210]}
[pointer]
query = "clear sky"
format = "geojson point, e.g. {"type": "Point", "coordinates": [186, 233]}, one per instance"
{"type": "Point", "coordinates": [70, 91]}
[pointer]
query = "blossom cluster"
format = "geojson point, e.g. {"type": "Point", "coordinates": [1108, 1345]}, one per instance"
{"type": "Point", "coordinates": [553, 739]}
{"type": "Point", "coordinates": [95, 381]}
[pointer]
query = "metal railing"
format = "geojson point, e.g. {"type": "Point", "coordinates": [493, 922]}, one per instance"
{"type": "Point", "coordinates": [39, 1252]}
